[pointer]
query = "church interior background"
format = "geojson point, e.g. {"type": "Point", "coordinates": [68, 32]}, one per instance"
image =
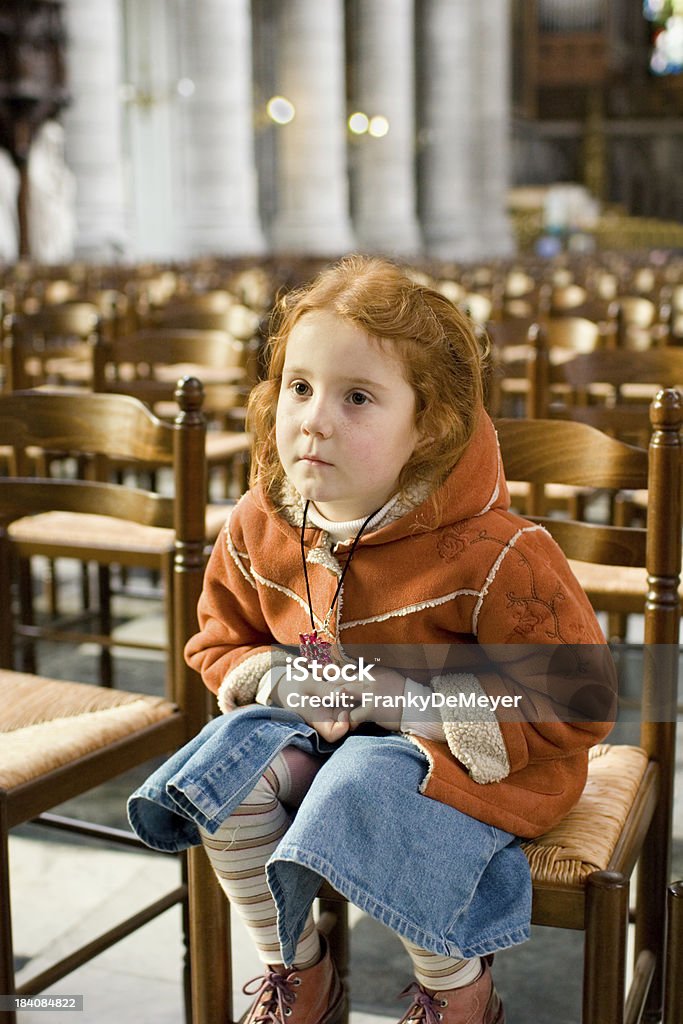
{"type": "Point", "coordinates": [168, 129]}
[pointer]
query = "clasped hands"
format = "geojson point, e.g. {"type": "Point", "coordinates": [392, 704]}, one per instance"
{"type": "Point", "coordinates": [347, 708]}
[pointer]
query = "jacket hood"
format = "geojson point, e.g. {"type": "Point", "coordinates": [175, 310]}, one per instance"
{"type": "Point", "coordinates": [475, 485]}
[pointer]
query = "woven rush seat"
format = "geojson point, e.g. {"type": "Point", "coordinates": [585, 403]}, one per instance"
{"type": "Point", "coordinates": [48, 723]}
{"type": "Point", "coordinates": [221, 444]}
{"type": "Point", "coordinates": [616, 588]}
{"type": "Point", "coordinates": [80, 528]}
{"type": "Point", "coordinates": [585, 839]}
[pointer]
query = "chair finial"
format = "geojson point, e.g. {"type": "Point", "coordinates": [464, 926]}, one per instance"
{"type": "Point", "coordinates": [189, 394]}
{"type": "Point", "coordinates": [667, 408]}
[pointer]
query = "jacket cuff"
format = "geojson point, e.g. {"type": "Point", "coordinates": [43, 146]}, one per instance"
{"type": "Point", "coordinates": [241, 683]}
{"type": "Point", "coordinates": [475, 739]}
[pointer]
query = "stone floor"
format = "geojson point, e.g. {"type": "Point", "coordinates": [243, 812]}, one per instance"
{"type": "Point", "coordinates": [65, 890]}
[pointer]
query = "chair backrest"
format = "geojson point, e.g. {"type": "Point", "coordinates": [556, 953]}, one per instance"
{"type": "Point", "coordinates": [117, 426]}
{"type": "Point", "coordinates": [659, 366]}
{"type": "Point", "coordinates": [139, 364]}
{"type": "Point", "coordinates": [526, 350]}
{"type": "Point", "coordinates": [599, 376]}
{"type": "Point", "coordinates": [546, 451]}
{"type": "Point", "coordinates": [35, 343]}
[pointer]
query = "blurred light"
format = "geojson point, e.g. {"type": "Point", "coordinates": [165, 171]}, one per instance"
{"type": "Point", "coordinates": [658, 63]}
{"type": "Point", "coordinates": [185, 87]}
{"type": "Point", "coordinates": [653, 10]}
{"type": "Point", "coordinates": [667, 55]}
{"type": "Point", "coordinates": [359, 123]}
{"type": "Point", "coordinates": [379, 126]}
{"type": "Point", "coordinates": [280, 110]}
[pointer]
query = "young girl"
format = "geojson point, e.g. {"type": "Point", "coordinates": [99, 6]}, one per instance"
{"type": "Point", "coordinates": [377, 522]}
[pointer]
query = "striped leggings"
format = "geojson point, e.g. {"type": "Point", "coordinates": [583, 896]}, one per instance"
{"type": "Point", "coordinates": [238, 853]}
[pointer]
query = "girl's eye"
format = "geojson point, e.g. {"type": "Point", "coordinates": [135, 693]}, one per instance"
{"type": "Point", "coordinates": [299, 387]}
{"type": "Point", "coordinates": [358, 398]}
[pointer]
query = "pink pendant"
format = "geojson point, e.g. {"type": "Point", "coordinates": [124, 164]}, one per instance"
{"type": "Point", "coordinates": [314, 649]}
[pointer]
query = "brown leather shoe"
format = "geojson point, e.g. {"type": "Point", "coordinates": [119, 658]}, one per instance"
{"type": "Point", "coordinates": [287, 995]}
{"type": "Point", "coordinates": [478, 1003]}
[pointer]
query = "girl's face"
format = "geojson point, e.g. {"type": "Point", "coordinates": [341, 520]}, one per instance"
{"type": "Point", "coordinates": [345, 423]}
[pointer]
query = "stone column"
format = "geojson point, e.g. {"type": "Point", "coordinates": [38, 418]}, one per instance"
{"type": "Point", "coordinates": [384, 180]}
{"type": "Point", "coordinates": [446, 127]}
{"type": "Point", "coordinates": [218, 129]}
{"type": "Point", "coordinates": [312, 202]}
{"type": "Point", "coordinates": [492, 126]}
{"type": "Point", "coordinates": [93, 127]}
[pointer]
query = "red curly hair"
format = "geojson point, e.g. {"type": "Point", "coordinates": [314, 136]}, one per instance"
{"type": "Point", "coordinates": [443, 360]}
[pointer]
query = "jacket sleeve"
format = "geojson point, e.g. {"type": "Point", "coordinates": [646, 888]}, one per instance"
{"type": "Point", "coordinates": [233, 649]}
{"type": "Point", "coordinates": [538, 641]}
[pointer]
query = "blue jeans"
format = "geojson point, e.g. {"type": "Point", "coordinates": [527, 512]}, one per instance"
{"type": "Point", "coordinates": [447, 882]}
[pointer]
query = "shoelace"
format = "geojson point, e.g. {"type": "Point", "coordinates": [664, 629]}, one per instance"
{"type": "Point", "coordinates": [424, 1008]}
{"type": "Point", "coordinates": [275, 994]}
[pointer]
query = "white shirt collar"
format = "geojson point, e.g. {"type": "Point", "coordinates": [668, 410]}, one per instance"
{"type": "Point", "coordinates": [348, 529]}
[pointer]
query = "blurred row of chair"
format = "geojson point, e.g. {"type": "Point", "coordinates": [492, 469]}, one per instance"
{"type": "Point", "coordinates": [607, 389]}
{"type": "Point", "coordinates": [69, 346]}
{"type": "Point", "coordinates": [495, 289]}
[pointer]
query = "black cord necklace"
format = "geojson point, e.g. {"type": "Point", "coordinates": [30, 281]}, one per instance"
{"type": "Point", "coordinates": [310, 645]}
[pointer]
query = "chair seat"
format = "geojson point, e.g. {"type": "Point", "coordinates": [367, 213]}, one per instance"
{"type": "Point", "coordinates": [77, 530]}
{"type": "Point", "coordinates": [614, 588]}
{"type": "Point", "coordinates": [585, 839]}
{"type": "Point", "coordinates": [47, 723]}
{"type": "Point", "coordinates": [223, 444]}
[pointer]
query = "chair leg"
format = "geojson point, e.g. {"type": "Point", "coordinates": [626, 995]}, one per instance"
{"type": "Point", "coordinates": [52, 587]}
{"type": "Point", "coordinates": [104, 598]}
{"type": "Point", "coordinates": [85, 586]}
{"type": "Point", "coordinates": [28, 647]}
{"type": "Point", "coordinates": [210, 952]}
{"type": "Point", "coordinates": [604, 973]}
{"type": "Point", "coordinates": [187, 966]}
{"type": "Point", "coordinates": [673, 982]}
{"type": "Point", "coordinates": [169, 615]}
{"type": "Point", "coordinates": [617, 625]}
{"type": "Point", "coordinates": [653, 877]}
{"type": "Point", "coordinates": [6, 618]}
{"type": "Point", "coordinates": [6, 947]}
{"type": "Point", "coordinates": [334, 923]}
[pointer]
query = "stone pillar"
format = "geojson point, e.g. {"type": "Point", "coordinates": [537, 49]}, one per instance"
{"type": "Point", "coordinates": [312, 202]}
{"type": "Point", "coordinates": [446, 127]}
{"type": "Point", "coordinates": [93, 128]}
{"type": "Point", "coordinates": [384, 179]}
{"type": "Point", "coordinates": [492, 125]}
{"type": "Point", "coordinates": [218, 129]}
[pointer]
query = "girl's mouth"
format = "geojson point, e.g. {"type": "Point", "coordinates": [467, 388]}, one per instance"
{"type": "Point", "coordinates": [314, 460]}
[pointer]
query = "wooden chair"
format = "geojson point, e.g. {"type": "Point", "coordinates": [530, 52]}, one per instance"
{"type": "Point", "coordinates": [52, 346]}
{"type": "Point", "coordinates": [581, 868]}
{"type": "Point", "coordinates": [599, 390]}
{"type": "Point", "coordinates": [514, 342]}
{"type": "Point", "coordinates": [517, 373]}
{"type": "Point", "coordinates": [638, 324]}
{"type": "Point", "coordinates": [238, 320]}
{"type": "Point", "coordinates": [600, 900]}
{"type": "Point", "coordinates": [59, 739]}
{"type": "Point", "coordinates": [147, 364]}
{"type": "Point", "coordinates": [93, 540]}
{"type": "Point", "coordinates": [673, 979]}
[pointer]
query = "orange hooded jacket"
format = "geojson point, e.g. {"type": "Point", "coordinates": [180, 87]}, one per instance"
{"type": "Point", "coordinates": [462, 570]}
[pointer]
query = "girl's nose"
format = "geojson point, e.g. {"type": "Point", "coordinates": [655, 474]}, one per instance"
{"type": "Point", "coordinates": [317, 422]}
